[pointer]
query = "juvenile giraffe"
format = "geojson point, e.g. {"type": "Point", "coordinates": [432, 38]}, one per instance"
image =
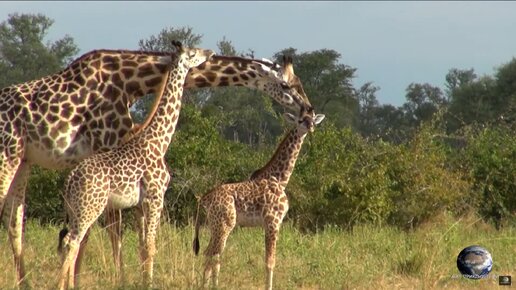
{"type": "Point", "coordinates": [259, 201]}
{"type": "Point", "coordinates": [58, 120]}
{"type": "Point", "coordinates": [134, 174]}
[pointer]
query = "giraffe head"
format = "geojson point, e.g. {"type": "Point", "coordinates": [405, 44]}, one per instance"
{"type": "Point", "coordinates": [192, 57]}
{"type": "Point", "coordinates": [304, 124]}
{"type": "Point", "coordinates": [286, 83]}
{"type": "Point", "coordinates": [288, 75]}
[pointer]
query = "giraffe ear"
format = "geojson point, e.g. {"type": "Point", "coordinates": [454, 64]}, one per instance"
{"type": "Point", "coordinates": [318, 119]}
{"type": "Point", "coordinates": [287, 59]}
{"type": "Point", "coordinates": [289, 118]}
{"type": "Point", "coordinates": [262, 67]}
{"type": "Point", "coordinates": [178, 45]}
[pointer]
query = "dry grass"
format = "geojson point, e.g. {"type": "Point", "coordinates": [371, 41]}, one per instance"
{"type": "Point", "coordinates": [365, 258]}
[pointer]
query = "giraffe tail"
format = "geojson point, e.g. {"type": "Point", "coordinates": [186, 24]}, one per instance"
{"type": "Point", "coordinates": [62, 235]}
{"type": "Point", "coordinates": [196, 245]}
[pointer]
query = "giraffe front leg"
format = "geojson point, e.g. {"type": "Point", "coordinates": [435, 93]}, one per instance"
{"type": "Point", "coordinates": [152, 218]}
{"type": "Point", "coordinates": [140, 227]}
{"type": "Point", "coordinates": [114, 228]}
{"type": "Point", "coordinates": [13, 219]}
{"type": "Point", "coordinates": [152, 206]}
{"type": "Point", "coordinates": [155, 182]}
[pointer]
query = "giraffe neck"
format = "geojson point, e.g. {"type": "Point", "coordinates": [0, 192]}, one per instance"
{"type": "Point", "coordinates": [284, 159]}
{"type": "Point", "coordinates": [223, 71]}
{"type": "Point", "coordinates": [162, 126]}
{"type": "Point", "coordinates": [226, 71]}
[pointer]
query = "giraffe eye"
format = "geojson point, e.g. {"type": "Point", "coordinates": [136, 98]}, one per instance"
{"type": "Point", "coordinates": [284, 86]}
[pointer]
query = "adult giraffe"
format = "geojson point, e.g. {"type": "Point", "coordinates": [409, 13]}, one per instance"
{"type": "Point", "coordinates": [60, 119]}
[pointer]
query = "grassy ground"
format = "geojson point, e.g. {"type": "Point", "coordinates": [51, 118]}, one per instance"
{"type": "Point", "coordinates": [365, 258]}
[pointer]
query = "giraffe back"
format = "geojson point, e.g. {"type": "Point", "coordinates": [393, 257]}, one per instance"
{"type": "Point", "coordinates": [82, 109]}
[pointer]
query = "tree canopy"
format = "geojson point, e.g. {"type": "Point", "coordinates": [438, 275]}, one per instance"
{"type": "Point", "coordinates": [24, 55]}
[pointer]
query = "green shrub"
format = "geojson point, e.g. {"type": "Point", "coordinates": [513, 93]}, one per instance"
{"type": "Point", "coordinates": [423, 182]}
{"type": "Point", "coordinates": [44, 195]}
{"type": "Point", "coordinates": [339, 181]}
{"type": "Point", "coordinates": [491, 160]}
{"type": "Point", "coordinates": [344, 179]}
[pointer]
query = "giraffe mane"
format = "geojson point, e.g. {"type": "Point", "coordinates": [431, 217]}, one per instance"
{"type": "Point", "coordinates": [264, 62]}
{"type": "Point", "coordinates": [274, 156]}
{"type": "Point", "coordinates": [119, 51]}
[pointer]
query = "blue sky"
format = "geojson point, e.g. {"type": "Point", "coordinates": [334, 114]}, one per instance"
{"type": "Point", "coordinates": [391, 44]}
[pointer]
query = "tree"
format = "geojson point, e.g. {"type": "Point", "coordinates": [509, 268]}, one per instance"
{"type": "Point", "coordinates": [423, 100]}
{"type": "Point", "coordinates": [457, 78]}
{"type": "Point", "coordinates": [24, 56]}
{"type": "Point", "coordinates": [470, 103]}
{"type": "Point", "coordinates": [163, 40]}
{"type": "Point", "coordinates": [503, 104]}
{"type": "Point", "coordinates": [366, 96]}
{"type": "Point", "coordinates": [391, 124]}
{"type": "Point", "coordinates": [481, 100]}
{"type": "Point", "coordinates": [226, 47]}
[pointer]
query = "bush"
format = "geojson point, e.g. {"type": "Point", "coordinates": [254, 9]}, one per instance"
{"type": "Point", "coordinates": [491, 161]}
{"type": "Point", "coordinates": [346, 180]}
{"type": "Point", "coordinates": [339, 181]}
{"type": "Point", "coordinates": [424, 184]}
{"type": "Point", "coordinates": [44, 195]}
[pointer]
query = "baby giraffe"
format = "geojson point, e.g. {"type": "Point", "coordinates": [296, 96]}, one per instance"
{"type": "Point", "coordinates": [259, 201]}
{"type": "Point", "coordinates": [132, 175]}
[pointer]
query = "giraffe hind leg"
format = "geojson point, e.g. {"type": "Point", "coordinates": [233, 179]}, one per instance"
{"type": "Point", "coordinates": [69, 259]}
{"type": "Point", "coordinates": [220, 231]}
{"type": "Point", "coordinates": [11, 155]}
{"type": "Point", "coordinates": [82, 213]}
{"type": "Point", "coordinates": [74, 244]}
{"type": "Point", "coordinates": [80, 256]}
{"type": "Point", "coordinates": [114, 228]}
